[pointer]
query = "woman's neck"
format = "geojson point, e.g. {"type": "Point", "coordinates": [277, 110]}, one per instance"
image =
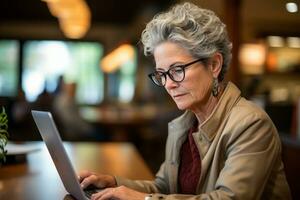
{"type": "Point", "coordinates": [203, 112]}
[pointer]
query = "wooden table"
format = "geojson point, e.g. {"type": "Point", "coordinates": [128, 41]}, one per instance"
{"type": "Point", "coordinates": [37, 178]}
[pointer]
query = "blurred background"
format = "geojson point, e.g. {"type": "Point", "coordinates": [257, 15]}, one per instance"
{"type": "Point", "coordinates": [82, 60]}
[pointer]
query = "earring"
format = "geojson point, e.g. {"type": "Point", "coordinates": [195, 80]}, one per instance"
{"type": "Point", "coordinates": [215, 88]}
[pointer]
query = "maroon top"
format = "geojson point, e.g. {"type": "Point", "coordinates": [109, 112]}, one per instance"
{"type": "Point", "coordinates": [190, 165]}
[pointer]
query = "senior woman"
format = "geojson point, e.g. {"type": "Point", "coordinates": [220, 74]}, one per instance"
{"type": "Point", "coordinates": [223, 146]}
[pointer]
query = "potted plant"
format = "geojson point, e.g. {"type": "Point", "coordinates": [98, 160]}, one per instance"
{"type": "Point", "coordinates": [3, 135]}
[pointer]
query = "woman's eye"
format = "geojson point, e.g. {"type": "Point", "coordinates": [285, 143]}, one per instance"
{"type": "Point", "coordinates": [177, 70]}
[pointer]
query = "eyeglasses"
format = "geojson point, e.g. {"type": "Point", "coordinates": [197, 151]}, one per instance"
{"type": "Point", "coordinates": [176, 74]}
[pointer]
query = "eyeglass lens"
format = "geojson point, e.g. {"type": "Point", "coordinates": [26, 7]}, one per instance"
{"type": "Point", "coordinates": [176, 74]}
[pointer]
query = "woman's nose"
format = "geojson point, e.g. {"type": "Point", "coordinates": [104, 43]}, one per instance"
{"type": "Point", "coordinates": [170, 84]}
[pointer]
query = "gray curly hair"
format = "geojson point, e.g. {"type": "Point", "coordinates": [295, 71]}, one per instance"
{"type": "Point", "coordinates": [198, 30]}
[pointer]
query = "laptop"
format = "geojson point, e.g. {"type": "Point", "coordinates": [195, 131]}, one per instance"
{"type": "Point", "coordinates": [52, 139]}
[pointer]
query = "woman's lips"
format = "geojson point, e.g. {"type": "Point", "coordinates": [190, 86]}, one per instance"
{"type": "Point", "coordinates": [178, 95]}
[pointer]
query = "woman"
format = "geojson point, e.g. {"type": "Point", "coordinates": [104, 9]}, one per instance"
{"type": "Point", "coordinates": [223, 146]}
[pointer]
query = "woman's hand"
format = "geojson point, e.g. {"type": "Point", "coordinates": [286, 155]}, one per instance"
{"type": "Point", "coordinates": [87, 178]}
{"type": "Point", "coordinates": [119, 193]}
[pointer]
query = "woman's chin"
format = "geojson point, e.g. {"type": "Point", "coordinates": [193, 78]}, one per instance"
{"type": "Point", "coordinates": [181, 106]}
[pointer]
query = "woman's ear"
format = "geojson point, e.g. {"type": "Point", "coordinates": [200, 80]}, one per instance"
{"type": "Point", "coordinates": [216, 66]}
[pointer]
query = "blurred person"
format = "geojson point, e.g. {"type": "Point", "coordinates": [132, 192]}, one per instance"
{"type": "Point", "coordinates": [20, 108]}
{"type": "Point", "coordinates": [44, 101]}
{"type": "Point", "coordinates": [66, 110]}
{"type": "Point", "coordinates": [21, 127]}
{"type": "Point", "coordinates": [223, 146]}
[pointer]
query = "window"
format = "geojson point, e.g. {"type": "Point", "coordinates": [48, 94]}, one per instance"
{"type": "Point", "coordinates": [120, 66]}
{"type": "Point", "coordinates": [9, 71]}
{"type": "Point", "coordinates": [127, 80]}
{"type": "Point", "coordinates": [45, 61]}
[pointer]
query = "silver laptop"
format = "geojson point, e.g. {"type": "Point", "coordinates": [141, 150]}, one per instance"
{"type": "Point", "coordinates": [52, 139]}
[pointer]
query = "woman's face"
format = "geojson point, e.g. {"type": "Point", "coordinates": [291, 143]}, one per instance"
{"type": "Point", "coordinates": [194, 91]}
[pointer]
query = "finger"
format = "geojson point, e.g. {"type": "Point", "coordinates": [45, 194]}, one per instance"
{"type": "Point", "coordinates": [99, 194]}
{"type": "Point", "coordinates": [83, 174]}
{"type": "Point", "coordinates": [106, 194]}
{"type": "Point", "coordinates": [90, 180]}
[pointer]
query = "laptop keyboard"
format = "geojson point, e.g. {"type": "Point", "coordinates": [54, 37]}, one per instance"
{"type": "Point", "coordinates": [88, 192]}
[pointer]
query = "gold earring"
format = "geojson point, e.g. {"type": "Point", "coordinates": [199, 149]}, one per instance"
{"type": "Point", "coordinates": [215, 88]}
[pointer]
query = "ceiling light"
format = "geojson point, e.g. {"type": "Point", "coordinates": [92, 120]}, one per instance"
{"type": "Point", "coordinates": [275, 41]}
{"type": "Point", "coordinates": [117, 57]}
{"type": "Point", "coordinates": [291, 7]}
{"type": "Point", "coordinates": [252, 58]}
{"type": "Point", "coordinates": [293, 42]}
{"type": "Point", "coordinates": [74, 16]}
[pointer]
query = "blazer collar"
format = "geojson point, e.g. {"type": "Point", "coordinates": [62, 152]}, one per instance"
{"type": "Point", "coordinates": [229, 98]}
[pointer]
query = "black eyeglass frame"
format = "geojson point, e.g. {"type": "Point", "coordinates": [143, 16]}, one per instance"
{"type": "Point", "coordinates": [151, 75]}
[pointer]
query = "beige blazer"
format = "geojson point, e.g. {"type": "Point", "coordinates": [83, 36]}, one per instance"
{"type": "Point", "coordinates": [240, 154]}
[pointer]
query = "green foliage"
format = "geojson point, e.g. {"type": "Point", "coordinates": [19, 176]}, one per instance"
{"type": "Point", "coordinates": [3, 134]}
